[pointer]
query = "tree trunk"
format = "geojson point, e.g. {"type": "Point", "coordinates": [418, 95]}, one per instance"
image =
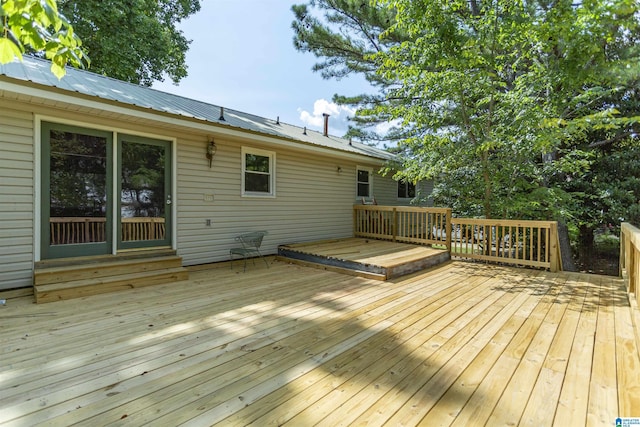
{"type": "Point", "coordinates": [488, 194]}
{"type": "Point", "coordinates": [565, 247]}
{"type": "Point", "coordinates": [586, 244]}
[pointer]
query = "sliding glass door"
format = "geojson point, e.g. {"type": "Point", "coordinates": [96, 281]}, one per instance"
{"type": "Point", "coordinates": [144, 170]}
{"type": "Point", "coordinates": [83, 208]}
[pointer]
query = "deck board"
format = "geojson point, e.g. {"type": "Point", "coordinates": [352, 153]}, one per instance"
{"type": "Point", "coordinates": [458, 344]}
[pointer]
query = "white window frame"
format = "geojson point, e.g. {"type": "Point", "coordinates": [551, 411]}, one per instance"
{"type": "Point", "coordinates": [370, 174]}
{"type": "Point", "coordinates": [272, 172]}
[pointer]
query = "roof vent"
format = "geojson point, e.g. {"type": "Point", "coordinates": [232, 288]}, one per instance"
{"type": "Point", "coordinates": [304, 132]}
{"type": "Point", "coordinates": [326, 124]}
{"type": "Point", "coordinates": [278, 120]}
{"type": "Point", "coordinates": [221, 114]}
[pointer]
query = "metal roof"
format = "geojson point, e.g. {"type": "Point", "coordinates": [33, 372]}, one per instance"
{"type": "Point", "coordinates": [38, 71]}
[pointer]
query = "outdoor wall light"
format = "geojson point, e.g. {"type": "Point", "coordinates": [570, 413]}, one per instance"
{"type": "Point", "coordinates": [339, 169]}
{"type": "Point", "coordinates": [211, 151]}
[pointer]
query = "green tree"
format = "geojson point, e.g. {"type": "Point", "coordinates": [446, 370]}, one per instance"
{"type": "Point", "coordinates": [133, 40]}
{"type": "Point", "coordinates": [345, 35]}
{"type": "Point", "coordinates": [607, 194]}
{"type": "Point", "coordinates": [37, 26]}
{"type": "Point", "coordinates": [515, 90]}
{"type": "Point", "coordinates": [501, 102]}
{"type": "Point", "coordinates": [498, 86]}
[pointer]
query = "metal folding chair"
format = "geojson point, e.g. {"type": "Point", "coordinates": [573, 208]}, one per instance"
{"type": "Point", "coordinates": [251, 243]}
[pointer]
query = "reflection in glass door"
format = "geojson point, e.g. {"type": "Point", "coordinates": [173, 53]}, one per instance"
{"type": "Point", "coordinates": [145, 196]}
{"type": "Point", "coordinates": [76, 179]}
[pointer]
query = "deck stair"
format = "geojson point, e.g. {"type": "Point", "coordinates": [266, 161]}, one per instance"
{"type": "Point", "coordinates": [69, 278]}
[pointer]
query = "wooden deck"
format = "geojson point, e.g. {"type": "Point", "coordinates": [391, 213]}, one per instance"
{"type": "Point", "coordinates": [461, 344]}
{"type": "Point", "coordinates": [374, 259]}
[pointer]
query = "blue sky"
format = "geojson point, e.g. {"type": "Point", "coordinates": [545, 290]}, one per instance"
{"type": "Point", "coordinates": [242, 57]}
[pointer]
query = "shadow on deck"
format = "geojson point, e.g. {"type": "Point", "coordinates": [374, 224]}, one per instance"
{"type": "Point", "coordinates": [462, 344]}
{"type": "Point", "coordinates": [373, 259]}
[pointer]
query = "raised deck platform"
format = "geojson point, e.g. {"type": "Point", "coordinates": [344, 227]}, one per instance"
{"type": "Point", "coordinates": [375, 259]}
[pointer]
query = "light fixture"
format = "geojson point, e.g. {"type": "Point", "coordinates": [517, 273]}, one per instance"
{"type": "Point", "coordinates": [211, 151]}
{"type": "Point", "coordinates": [339, 169]}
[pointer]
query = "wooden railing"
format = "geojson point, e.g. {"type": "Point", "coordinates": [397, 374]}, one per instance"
{"type": "Point", "coordinates": [142, 229]}
{"type": "Point", "coordinates": [426, 226]}
{"type": "Point", "coordinates": [630, 258]}
{"type": "Point", "coordinates": [524, 243]}
{"type": "Point", "coordinates": [76, 230]}
{"type": "Point", "coordinates": [71, 230]}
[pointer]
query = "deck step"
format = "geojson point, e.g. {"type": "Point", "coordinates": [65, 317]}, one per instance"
{"type": "Point", "coordinates": [65, 279]}
{"type": "Point", "coordinates": [94, 270]}
{"type": "Point", "coordinates": [100, 285]}
{"type": "Point", "coordinates": [98, 259]}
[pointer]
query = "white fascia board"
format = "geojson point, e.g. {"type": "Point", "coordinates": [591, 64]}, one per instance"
{"type": "Point", "coordinates": [167, 118]}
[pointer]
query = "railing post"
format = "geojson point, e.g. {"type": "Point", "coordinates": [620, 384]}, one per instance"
{"type": "Point", "coordinates": [86, 231]}
{"type": "Point", "coordinates": [631, 271]}
{"type": "Point", "coordinates": [394, 225]}
{"type": "Point", "coordinates": [621, 260]}
{"type": "Point", "coordinates": [448, 229]}
{"type": "Point", "coordinates": [628, 258]}
{"type": "Point", "coordinates": [553, 250]}
{"type": "Point", "coordinates": [355, 221]}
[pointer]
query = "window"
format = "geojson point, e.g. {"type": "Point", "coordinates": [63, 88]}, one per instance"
{"type": "Point", "coordinates": [258, 169]}
{"type": "Point", "coordinates": [364, 182]}
{"type": "Point", "coordinates": [406, 190]}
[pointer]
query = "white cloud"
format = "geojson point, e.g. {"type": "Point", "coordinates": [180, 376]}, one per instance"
{"type": "Point", "coordinates": [338, 120]}
{"type": "Point", "coordinates": [383, 128]}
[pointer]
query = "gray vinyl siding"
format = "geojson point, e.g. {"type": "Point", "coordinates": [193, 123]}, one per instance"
{"type": "Point", "coordinates": [313, 200]}
{"type": "Point", "coordinates": [385, 191]}
{"type": "Point", "coordinates": [16, 198]}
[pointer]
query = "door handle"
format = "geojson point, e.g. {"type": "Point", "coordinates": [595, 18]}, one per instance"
{"type": "Point", "coordinates": [169, 199]}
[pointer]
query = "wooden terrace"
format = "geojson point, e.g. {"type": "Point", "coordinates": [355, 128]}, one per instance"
{"type": "Point", "coordinates": [459, 344]}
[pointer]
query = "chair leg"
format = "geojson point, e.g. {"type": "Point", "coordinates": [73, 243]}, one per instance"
{"type": "Point", "coordinates": [263, 258]}
{"type": "Point", "coordinates": [253, 259]}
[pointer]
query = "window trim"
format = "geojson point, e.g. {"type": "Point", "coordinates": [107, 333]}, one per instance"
{"type": "Point", "coordinates": [370, 174]}
{"type": "Point", "coordinates": [272, 172]}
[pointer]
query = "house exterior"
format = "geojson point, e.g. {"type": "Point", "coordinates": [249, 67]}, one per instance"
{"type": "Point", "coordinates": [94, 166]}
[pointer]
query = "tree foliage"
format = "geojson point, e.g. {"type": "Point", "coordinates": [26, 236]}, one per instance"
{"type": "Point", "coordinates": [515, 109]}
{"type": "Point", "coordinates": [504, 91]}
{"type": "Point", "coordinates": [345, 35]}
{"type": "Point", "coordinates": [37, 26]}
{"type": "Point", "coordinates": [133, 40]}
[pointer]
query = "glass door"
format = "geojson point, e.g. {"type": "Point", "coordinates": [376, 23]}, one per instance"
{"type": "Point", "coordinates": [76, 184]}
{"type": "Point", "coordinates": [144, 204]}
